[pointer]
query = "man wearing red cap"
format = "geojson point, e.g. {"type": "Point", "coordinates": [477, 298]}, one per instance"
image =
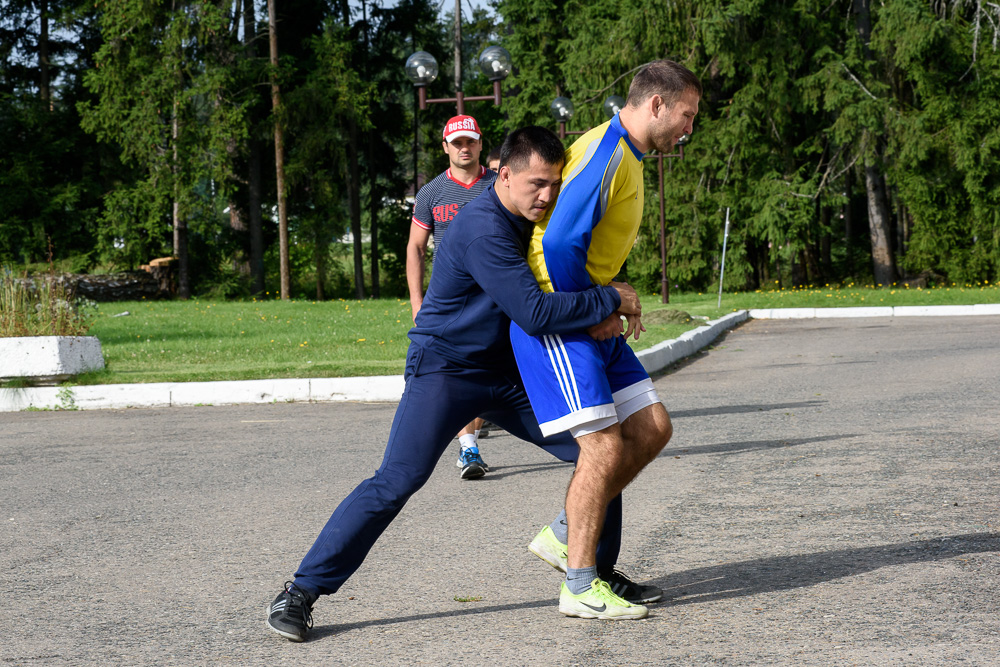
{"type": "Point", "coordinates": [436, 204]}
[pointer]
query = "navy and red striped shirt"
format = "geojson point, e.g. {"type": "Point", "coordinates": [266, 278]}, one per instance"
{"type": "Point", "coordinates": [441, 199]}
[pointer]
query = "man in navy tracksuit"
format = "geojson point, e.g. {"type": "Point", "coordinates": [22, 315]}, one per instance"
{"type": "Point", "coordinates": [460, 365]}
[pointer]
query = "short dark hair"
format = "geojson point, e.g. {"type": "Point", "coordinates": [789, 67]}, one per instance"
{"type": "Point", "coordinates": [521, 144]}
{"type": "Point", "coordinates": [494, 154]}
{"type": "Point", "coordinates": [665, 78]}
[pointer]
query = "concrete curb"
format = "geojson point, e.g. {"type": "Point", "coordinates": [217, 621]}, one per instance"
{"type": "Point", "coordinates": [388, 388]}
{"type": "Point", "coordinates": [663, 354]}
{"type": "Point", "coordinates": [169, 394]}
{"type": "Point", "coordinates": [877, 311]}
{"type": "Point", "coordinates": [49, 356]}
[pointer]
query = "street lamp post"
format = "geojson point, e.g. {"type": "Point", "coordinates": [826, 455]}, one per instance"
{"type": "Point", "coordinates": [422, 69]}
{"type": "Point", "coordinates": [665, 282]}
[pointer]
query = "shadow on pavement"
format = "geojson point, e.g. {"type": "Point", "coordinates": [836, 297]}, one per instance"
{"type": "Point", "coordinates": [749, 445]}
{"type": "Point", "coordinates": [766, 575]}
{"type": "Point", "coordinates": [741, 409]}
{"type": "Point", "coordinates": [762, 575]}
{"type": "Point", "coordinates": [499, 472]}
{"type": "Point", "coordinates": [322, 631]}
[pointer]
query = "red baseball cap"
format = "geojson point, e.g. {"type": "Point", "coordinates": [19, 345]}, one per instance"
{"type": "Point", "coordinates": [461, 126]}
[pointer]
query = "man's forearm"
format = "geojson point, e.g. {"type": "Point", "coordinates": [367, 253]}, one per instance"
{"type": "Point", "coordinates": [415, 276]}
{"type": "Point", "coordinates": [502, 272]}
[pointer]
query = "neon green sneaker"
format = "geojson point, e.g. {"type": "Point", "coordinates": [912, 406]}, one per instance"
{"type": "Point", "coordinates": [599, 602]}
{"type": "Point", "coordinates": [548, 547]}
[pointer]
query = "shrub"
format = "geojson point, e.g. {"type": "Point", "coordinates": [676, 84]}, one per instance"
{"type": "Point", "coordinates": [41, 306]}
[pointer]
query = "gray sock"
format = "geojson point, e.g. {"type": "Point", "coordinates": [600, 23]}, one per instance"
{"type": "Point", "coordinates": [560, 528]}
{"type": "Point", "coordinates": [578, 579]}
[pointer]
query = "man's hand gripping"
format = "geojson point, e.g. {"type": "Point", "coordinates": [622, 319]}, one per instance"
{"type": "Point", "coordinates": [630, 309]}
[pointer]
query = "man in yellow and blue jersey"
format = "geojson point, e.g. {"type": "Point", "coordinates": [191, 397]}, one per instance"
{"type": "Point", "coordinates": [593, 385]}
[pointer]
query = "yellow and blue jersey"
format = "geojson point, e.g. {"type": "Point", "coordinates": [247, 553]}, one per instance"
{"type": "Point", "coordinates": [586, 237]}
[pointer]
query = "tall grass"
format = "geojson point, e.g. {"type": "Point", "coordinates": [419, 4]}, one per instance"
{"type": "Point", "coordinates": [40, 305]}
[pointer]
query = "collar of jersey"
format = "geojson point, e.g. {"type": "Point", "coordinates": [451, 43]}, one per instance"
{"type": "Point", "coordinates": [617, 124]}
{"type": "Point", "coordinates": [482, 172]}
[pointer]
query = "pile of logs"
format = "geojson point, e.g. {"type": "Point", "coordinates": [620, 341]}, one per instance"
{"type": "Point", "coordinates": [156, 280]}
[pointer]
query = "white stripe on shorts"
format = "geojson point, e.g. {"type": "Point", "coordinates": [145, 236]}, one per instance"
{"type": "Point", "coordinates": [563, 370]}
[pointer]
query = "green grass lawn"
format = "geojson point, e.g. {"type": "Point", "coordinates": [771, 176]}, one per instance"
{"type": "Point", "coordinates": [180, 341]}
{"type": "Point", "coordinates": [197, 340]}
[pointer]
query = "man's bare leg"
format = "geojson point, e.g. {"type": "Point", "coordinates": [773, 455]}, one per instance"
{"type": "Point", "coordinates": [609, 460]}
{"type": "Point", "coordinates": [472, 427]}
{"type": "Point", "coordinates": [645, 433]}
{"type": "Point", "coordinates": [601, 461]}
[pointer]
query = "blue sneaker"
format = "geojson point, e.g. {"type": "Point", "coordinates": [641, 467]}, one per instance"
{"type": "Point", "coordinates": [473, 465]}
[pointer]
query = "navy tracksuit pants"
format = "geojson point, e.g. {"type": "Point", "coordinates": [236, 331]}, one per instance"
{"type": "Point", "coordinates": [439, 399]}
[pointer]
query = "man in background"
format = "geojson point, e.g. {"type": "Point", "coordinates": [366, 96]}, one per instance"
{"type": "Point", "coordinates": [493, 159]}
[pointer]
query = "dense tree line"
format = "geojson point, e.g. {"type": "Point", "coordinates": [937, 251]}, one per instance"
{"type": "Point", "coordinates": [849, 140]}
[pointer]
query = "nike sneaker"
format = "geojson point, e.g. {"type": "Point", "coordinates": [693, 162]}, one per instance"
{"type": "Point", "coordinates": [599, 602]}
{"type": "Point", "coordinates": [548, 547]}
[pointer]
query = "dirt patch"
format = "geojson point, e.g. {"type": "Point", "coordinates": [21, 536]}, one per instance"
{"type": "Point", "coordinates": [666, 316]}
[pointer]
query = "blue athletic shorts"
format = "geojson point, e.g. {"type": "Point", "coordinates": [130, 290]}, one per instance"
{"type": "Point", "coordinates": [573, 380]}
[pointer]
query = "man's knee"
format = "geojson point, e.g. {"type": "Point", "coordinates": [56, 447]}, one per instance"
{"type": "Point", "coordinates": [666, 432]}
{"type": "Point", "coordinates": [650, 429]}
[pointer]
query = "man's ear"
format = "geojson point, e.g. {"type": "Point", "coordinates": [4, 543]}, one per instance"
{"type": "Point", "coordinates": [655, 105]}
{"type": "Point", "coordinates": [504, 175]}
{"type": "Point", "coordinates": [444, 147]}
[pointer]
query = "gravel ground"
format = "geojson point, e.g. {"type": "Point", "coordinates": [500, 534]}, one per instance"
{"type": "Point", "coordinates": [829, 498]}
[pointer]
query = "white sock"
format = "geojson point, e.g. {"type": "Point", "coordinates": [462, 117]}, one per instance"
{"type": "Point", "coordinates": [468, 440]}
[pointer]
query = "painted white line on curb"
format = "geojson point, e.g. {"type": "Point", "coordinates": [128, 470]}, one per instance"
{"type": "Point", "coordinates": [388, 388]}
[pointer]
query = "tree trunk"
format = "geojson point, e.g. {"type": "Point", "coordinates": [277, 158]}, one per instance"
{"type": "Point", "coordinates": [255, 220]}
{"type": "Point", "coordinates": [848, 211]}
{"type": "Point", "coordinates": [279, 155]}
{"type": "Point", "coordinates": [353, 185]}
{"type": "Point", "coordinates": [237, 212]}
{"type": "Point", "coordinates": [798, 262]}
{"type": "Point", "coordinates": [878, 226]}
{"type": "Point", "coordinates": [813, 273]}
{"type": "Point", "coordinates": [238, 216]}
{"type": "Point", "coordinates": [238, 224]}
{"type": "Point", "coordinates": [374, 193]}
{"type": "Point", "coordinates": [320, 252]}
{"type": "Point", "coordinates": [879, 223]}
{"type": "Point", "coordinates": [179, 223]}
{"type": "Point", "coordinates": [374, 203]}
{"type": "Point", "coordinates": [44, 88]}
{"type": "Point", "coordinates": [354, 203]}
{"type": "Point", "coordinates": [825, 247]}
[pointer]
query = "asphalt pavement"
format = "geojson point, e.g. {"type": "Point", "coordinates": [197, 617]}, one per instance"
{"type": "Point", "coordinates": [829, 498]}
